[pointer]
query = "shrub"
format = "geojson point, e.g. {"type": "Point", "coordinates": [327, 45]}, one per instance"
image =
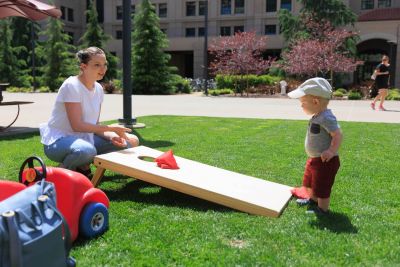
{"type": "Point", "coordinates": [217, 92]}
{"type": "Point", "coordinates": [354, 95]}
{"type": "Point", "coordinates": [239, 83]}
{"type": "Point", "coordinates": [341, 90]}
{"type": "Point", "coordinates": [394, 94]}
{"type": "Point", "coordinates": [14, 89]}
{"type": "Point", "coordinates": [179, 84]}
{"type": "Point", "coordinates": [43, 89]}
{"type": "Point", "coordinates": [338, 94]}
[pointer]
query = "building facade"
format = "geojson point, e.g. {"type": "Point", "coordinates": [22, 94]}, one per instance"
{"type": "Point", "coordinates": [183, 22]}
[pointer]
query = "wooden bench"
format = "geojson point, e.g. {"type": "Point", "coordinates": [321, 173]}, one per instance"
{"type": "Point", "coordinates": [13, 103]}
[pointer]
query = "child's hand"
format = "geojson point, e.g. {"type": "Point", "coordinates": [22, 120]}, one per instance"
{"type": "Point", "coordinates": [327, 155]}
{"type": "Point", "coordinates": [118, 141]}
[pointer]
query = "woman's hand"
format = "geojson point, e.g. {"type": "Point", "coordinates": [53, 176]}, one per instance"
{"type": "Point", "coordinates": [120, 131]}
{"type": "Point", "coordinates": [118, 141]}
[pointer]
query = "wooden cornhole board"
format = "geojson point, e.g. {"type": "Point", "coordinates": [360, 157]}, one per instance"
{"type": "Point", "coordinates": [234, 190]}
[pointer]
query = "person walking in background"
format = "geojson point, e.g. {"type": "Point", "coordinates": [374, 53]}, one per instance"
{"type": "Point", "coordinates": [382, 82]}
{"type": "Point", "coordinates": [73, 135]}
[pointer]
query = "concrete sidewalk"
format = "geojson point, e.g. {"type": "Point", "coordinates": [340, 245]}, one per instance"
{"type": "Point", "coordinates": [193, 105]}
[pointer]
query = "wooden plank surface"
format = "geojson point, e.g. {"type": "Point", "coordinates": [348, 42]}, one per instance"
{"type": "Point", "coordinates": [231, 189]}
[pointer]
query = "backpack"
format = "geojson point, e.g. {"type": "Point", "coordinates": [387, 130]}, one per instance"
{"type": "Point", "coordinates": [32, 230]}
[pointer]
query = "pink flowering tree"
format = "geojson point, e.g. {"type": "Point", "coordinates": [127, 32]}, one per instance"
{"type": "Point", "coordinates": [323, 53]}
{"type": "Point", "coordinates": [240, 54]}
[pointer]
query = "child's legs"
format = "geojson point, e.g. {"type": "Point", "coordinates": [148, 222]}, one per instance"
{"type": "Point", "coordinates": [71, 151]}
{"type": "Point", "coordinates": [307, 179]}
{"type": "Point", "coordinates": [323, 177]}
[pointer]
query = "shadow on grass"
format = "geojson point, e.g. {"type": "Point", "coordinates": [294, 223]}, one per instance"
{"type": "Point", "coordinates": [143, 192]}
{"type": "Point", "coordinates": [153, 144]}
{"type": "Point", "coordinates": [335, 222]}
{"type": "Point", "coordinates": [17, 136]}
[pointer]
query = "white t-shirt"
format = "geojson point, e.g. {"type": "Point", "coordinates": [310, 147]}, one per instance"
{"type": "Point", "coordinates": [73, 91]}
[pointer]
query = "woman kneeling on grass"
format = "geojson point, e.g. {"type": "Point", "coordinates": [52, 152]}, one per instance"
{"type": "Point", "coordinates": [73, 135]}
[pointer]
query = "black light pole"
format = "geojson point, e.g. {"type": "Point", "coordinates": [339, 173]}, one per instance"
{"type": "Point", "coordinates": [205, 70]}
{"type": "Point", "coordinates": [33, 56]}
{"type": "Point", "coordinates": [127, 120]}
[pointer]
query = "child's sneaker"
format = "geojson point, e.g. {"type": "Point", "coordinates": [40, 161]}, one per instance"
{"type": "Point", "coordinates": [305, 202]}
{"type": "Point", "coordinates": [373, 106]}
{"type": "Point", "coordinates": [317, 211]}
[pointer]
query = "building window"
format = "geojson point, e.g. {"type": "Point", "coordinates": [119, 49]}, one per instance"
{"type": "Point", "coordinates": [70, 14]}
{"type": "Point", "coordinates": [100, 10]}
{"type": "Point", "coordinates": [190, 32]}
{"type": "Point", "coordinates": [118, 35]}
{"type": "Point", "coordinates": [226, 7]}
{"type": "Point", "coordinates": [271, 6]}
{"type": "Point", "coordinates": [384, 3]}
{"type": "Point", "coordinates": [238, 29]}
{"type": "Point", "coordinates": [270, 29]}
{"type": "Point", "coordinates": [286, 4]}
{"type": "Point", "coordinates": [201, 32]}
{"type": "Point", "coordinates": [225, 31]}
{"type": "Point", "coordinates": [162, 10]}
{"type": "Point", "coordinates": [71, 38]}
{"type": "Point", "coordinates": [190, 8]}
{"type": "Point", "coordinates": [367, 4]}
{"type": "Point", "coordinates": [202, 8]}
{"type": "Point", "coordinates": [119, 12]}
{"type": "Point", "coordinates": [239, 6]}
{"type": "Point", "coordinates": [62, 12]}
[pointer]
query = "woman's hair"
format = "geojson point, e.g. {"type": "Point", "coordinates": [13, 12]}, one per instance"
{"type": "Point", "coordinates": [85, 55]}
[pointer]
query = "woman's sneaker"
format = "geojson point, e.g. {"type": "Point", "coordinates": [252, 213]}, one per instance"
{"type": "Point", "coordinates": [381, 108]}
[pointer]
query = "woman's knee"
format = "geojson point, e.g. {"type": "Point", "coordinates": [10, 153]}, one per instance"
{"type": "Point", "coordinates": [133, 140]}
{"type": "Point", "coordinates": [84, 154]}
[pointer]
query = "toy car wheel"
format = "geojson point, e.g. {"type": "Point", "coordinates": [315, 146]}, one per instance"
{"type": "Point", "coordinates": [93, 220]}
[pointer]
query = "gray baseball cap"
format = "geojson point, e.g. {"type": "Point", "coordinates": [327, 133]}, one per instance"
{"type": "Point", "coordinates": [315, 86]}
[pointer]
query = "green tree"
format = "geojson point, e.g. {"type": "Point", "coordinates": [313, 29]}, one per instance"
{"type": "Point", "coordinates": [10, 66]}
{"type": "Point", "coordinates": [60, 62]}
{"type": "Point", "coordinates": [333, 11]}
{"type": "Point", "coordinates": [95, 36]}
{"type": "Point", "coordinates": [24, 36]}
{"type": "Point", "coordinates": [150, 71]}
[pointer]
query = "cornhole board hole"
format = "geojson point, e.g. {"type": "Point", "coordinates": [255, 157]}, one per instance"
{"type": "Point", "coordinates": [234, 190]}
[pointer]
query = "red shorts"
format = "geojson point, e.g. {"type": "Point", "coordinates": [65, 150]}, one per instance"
{"type": "Point", "coordinates": [319, 176]}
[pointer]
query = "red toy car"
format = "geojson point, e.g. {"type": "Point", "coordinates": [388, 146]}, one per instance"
{"type": "Point", "coordinates": [84, 207]}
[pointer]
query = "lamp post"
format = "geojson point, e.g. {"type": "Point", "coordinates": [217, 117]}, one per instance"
{"type": "Point", "coordinates": [33, 56]}
{"type": "Point", "coordinates": [205, 70]}
{"type": "Point", "coordinates": [128, 121]}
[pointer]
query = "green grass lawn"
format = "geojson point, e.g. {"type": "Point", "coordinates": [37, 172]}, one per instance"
{"type": "Point", "coordinates": [153, 226]}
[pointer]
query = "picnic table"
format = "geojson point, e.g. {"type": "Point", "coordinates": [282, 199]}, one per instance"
{"type": "Point", "coordinates": [13, 103]}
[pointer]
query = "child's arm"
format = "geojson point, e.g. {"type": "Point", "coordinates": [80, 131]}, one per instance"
{"type": "Point", "coordinates": [337, 137]}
